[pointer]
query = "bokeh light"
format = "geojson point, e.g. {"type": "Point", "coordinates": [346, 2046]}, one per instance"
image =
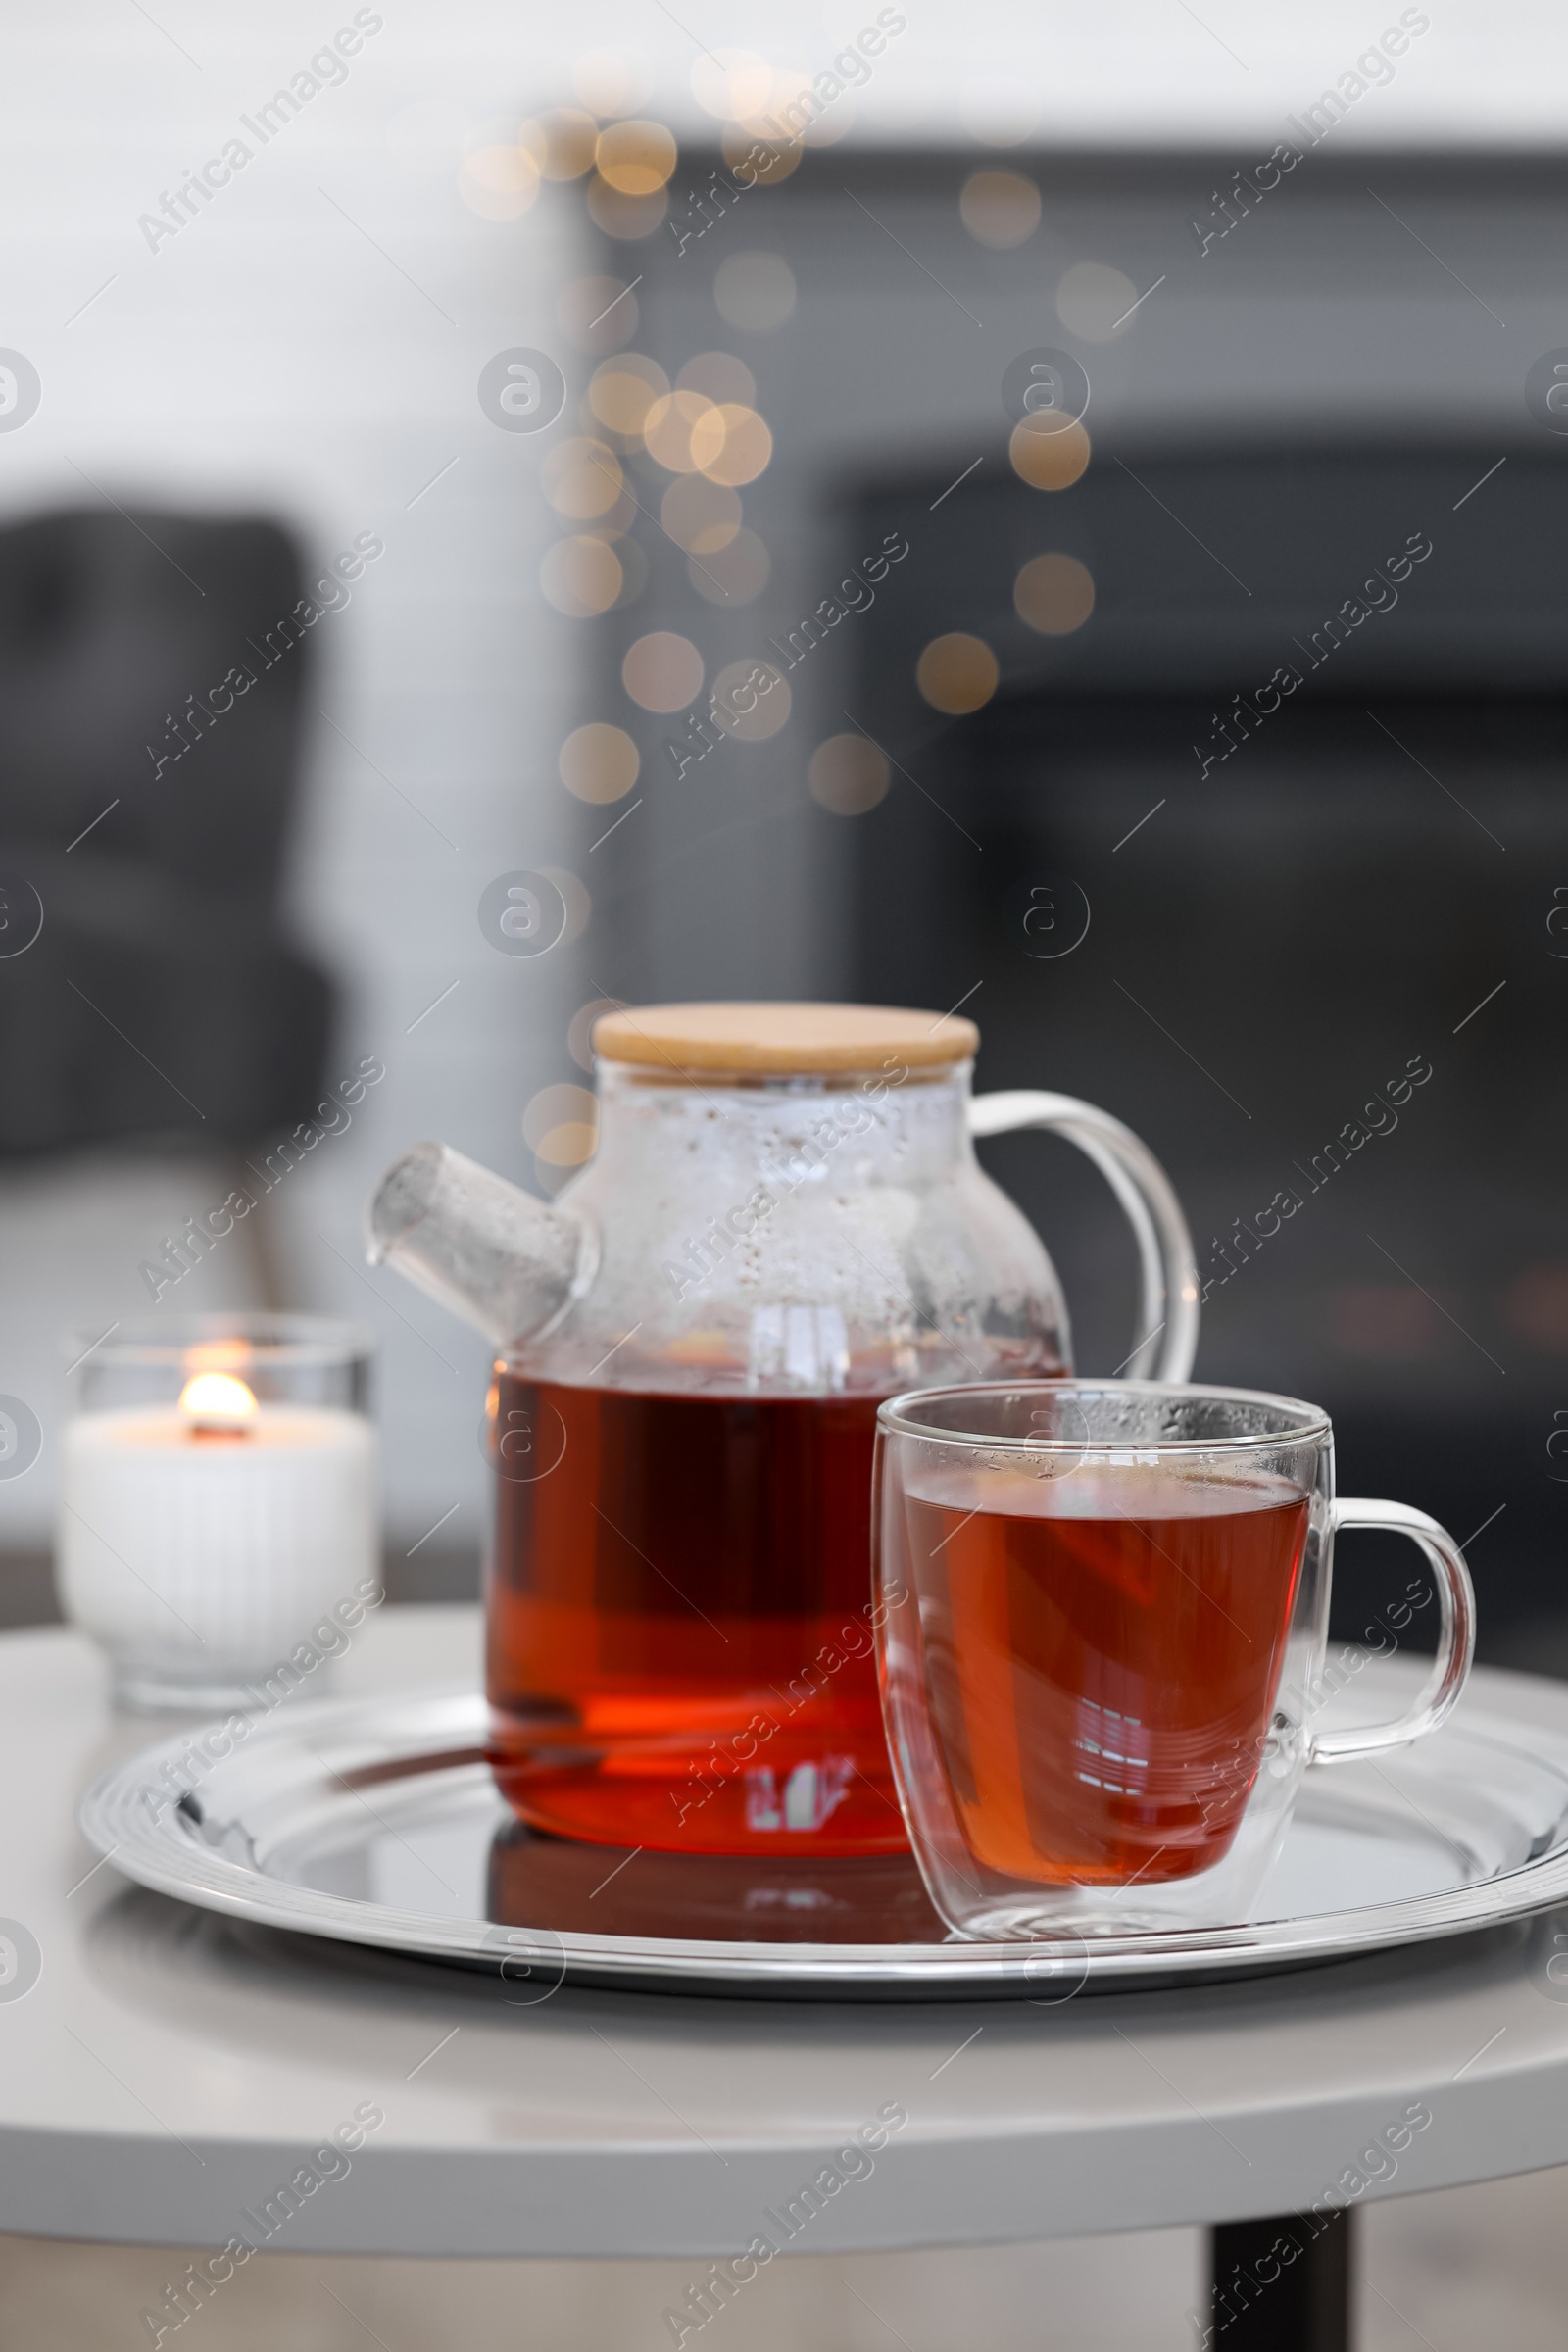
{"type": "Point", "coordinates": [734, 575]}
{"type": "Point", "coordinates": [719, 376]}
{"type": "Point", "coordinates": [622, 390]}
{"type": "Point", "coordinates": [699, 516]}
{"type": "Point", "coordinates": [560, 1125]}
{"type": "Point", "coordinates": [848, 775]}
{"type": "Point", "coordinates": [599, 763]}
{"type": "Point", "coordinates": [1055, 594]}
{"type": "Point", "coordinates": [756, 155]}
{"type": "Point", "coordinates": [611, 81]}
{"type": "Point", "coordinates": [581, 576]}
{"type": "Point", "coordinates": [999, 209]}
{"type": "Point", "coordinates": [663, 671]}
{"type": "Point", "coordinates": [732, 85]}
{"type": "Point", "coordinates": [730, 444]}
{"type": "Point", "coordinates": [581, 479]}
{"type": "Point", "coordinates": [569, 140]}
{"type": "Point", "coordinates": [1048, 451]}
{"type": "Point", "coordinates": [627, 218]}
{"type": "Point", "coordinates": [750, 700]}
{"type": "Point", "coordinates": [1095, 302]}
{"type": "Point", "coordinates": [499, 182]}
{"type": "Point", "coordinates": [635, 158]}
{"type": "Point", "coordinates": [668, 427]}
{"type": "Point", "coordinates": [754, 291]}
{"type": "Point", "coordinates": [957, 673]}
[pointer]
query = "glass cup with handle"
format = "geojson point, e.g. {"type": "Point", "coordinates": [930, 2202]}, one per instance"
{"type": "Point", "coordinates": [1103, 1611]}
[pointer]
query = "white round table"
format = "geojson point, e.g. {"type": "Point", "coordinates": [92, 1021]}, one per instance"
{"type": "Point", "coordinates": [170, 2069]}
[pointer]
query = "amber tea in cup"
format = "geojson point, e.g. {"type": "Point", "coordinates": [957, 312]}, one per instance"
{"type": "Point", "coordinates": [1096, 1689]}
{"type": "Point", "coordinates": [1053, 1590]}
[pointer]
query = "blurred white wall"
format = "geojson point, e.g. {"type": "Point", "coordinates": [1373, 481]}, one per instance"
{"type": "Point", "coordinates": [310, 345]}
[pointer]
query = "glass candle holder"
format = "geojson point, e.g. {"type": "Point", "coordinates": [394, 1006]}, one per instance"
{"type": "Point", "coordinates": [218, 1521]}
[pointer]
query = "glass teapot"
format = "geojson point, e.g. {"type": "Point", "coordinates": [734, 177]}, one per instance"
{"type": "Point", "coordinates": [784, 1223]}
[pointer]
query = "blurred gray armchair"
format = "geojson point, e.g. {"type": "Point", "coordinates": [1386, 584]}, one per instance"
{"type": "Point", "coordinates": [154, 1018]}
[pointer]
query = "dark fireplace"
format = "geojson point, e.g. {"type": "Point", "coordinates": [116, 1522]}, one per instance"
{"type": "Point", "coordinates": [1269, 856]}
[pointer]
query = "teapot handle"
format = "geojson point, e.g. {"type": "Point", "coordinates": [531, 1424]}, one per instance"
{"type": "Point", "coordinates": [1168, 1334]}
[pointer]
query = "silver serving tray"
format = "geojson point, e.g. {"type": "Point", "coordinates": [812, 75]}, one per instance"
{"type": "Point", "coordinates": [377, 1822]}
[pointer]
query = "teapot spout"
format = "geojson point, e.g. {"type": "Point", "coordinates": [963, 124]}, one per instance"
{"type": "Point", "coordinates": [490, 1252]}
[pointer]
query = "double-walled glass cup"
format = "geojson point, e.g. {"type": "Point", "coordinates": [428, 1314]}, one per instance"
{"type": "Point", "coordinates": [1104, 1610]}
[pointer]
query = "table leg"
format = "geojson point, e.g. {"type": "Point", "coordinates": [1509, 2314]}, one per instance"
{"type": "Point", "coordinates": [1282, 2284]}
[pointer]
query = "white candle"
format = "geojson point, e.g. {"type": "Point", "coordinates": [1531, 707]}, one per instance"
{"type": "Point", "coordinates": [202, 1541]}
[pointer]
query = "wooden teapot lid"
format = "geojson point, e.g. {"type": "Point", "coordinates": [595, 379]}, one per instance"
{"type": "Point", "coordinates": [781, 1040]}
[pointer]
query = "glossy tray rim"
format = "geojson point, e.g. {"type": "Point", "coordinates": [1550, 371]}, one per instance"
{"type": "Point", "coordinates": [155, 1850]}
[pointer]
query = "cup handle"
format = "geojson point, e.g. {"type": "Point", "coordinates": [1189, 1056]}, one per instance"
{"type": "Point", "coordinates": [1457, 1632]}
{"type": "Point", "coordinates": [1167, 1315]}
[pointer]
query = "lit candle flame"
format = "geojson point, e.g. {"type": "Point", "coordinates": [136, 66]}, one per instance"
{"type": "Point", "coordinates": [218, 1401]}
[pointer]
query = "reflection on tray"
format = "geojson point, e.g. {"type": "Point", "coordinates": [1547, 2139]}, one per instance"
{"type": "Point", "coordinates": [612, 1890]}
